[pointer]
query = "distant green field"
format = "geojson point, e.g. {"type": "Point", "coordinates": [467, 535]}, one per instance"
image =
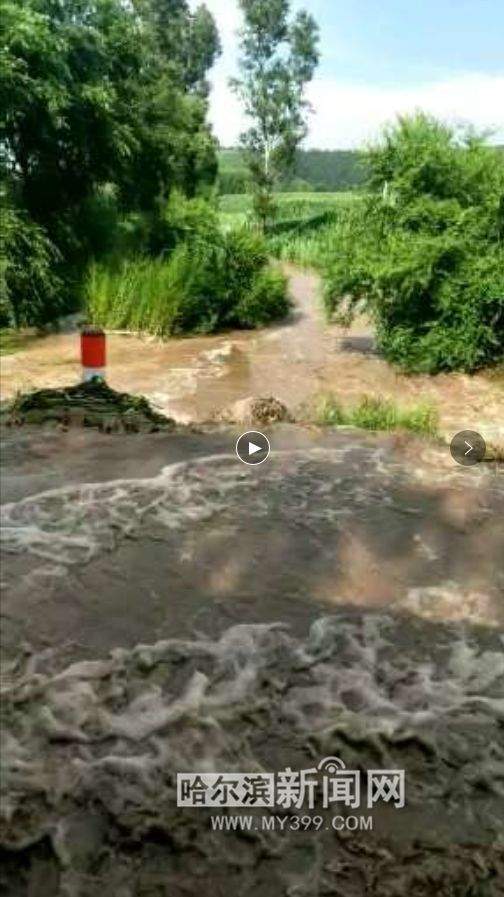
{"type": "Point", "coordinates": [231, 160]}
{"type": "Point", "coordinates": [242, 202]}
{"type": "Point", "coordinates": [236, 208]}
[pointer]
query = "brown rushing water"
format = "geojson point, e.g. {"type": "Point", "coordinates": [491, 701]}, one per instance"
{"type": "Point", "coordinates": [144, 580]}
{"type": "Point", "coordinates": [194, 378]}
{"type": "Point", "coordinates": [144, 577]}
{"type": "Point", "coordinates": [91, 521]}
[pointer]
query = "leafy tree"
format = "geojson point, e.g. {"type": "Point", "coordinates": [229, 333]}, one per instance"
{"type": "Point", "coordinates": [279, 57]}
{"type": "Point", "coordinates": [189, 40]}
{"type": "Point", "coordinates": [97, 112]}
{"type": "Point", "coordinates": [425, 251]}
{"type": "Point", "coordinates": [29, 287]}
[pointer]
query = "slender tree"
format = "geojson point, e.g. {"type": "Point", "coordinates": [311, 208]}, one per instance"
{"type": "Point", "coordinates": [279, 57]}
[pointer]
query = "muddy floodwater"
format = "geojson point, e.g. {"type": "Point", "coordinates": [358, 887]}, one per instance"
{"type": "Point", "coordinates": [168, 609]}
{"type": "Point", "coordinates": [91, 522]}
{"type": "Point", "coordinates": [195, 378]}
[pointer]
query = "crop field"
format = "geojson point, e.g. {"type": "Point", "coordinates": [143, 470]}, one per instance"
{"type": "Point", "coordinates": [304, 230]}
{"type": "Point", "coordinates": [290, 205]}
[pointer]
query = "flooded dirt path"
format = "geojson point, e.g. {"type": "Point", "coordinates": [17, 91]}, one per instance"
{"type": "Point", "coordinates": [196, 378]}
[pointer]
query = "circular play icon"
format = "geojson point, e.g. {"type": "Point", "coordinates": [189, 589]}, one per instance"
{"type": "Point", "coordinates": [468, 447]}
{"type": "Point", "coordinates": [253, 447]}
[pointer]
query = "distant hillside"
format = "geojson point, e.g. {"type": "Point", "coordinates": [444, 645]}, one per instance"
{"type": "Point", "coordinates": [324, 171]}
{"type": "Point", "coordinates": [314, 170]}
{"type": "Point", "coordinates": [330, 170]}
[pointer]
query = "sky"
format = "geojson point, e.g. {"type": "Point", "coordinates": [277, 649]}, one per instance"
{"type": "Point", "coordinates": [380, 58]}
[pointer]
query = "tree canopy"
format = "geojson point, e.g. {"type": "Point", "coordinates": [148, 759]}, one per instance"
{"type": "Point", "coordinates": [99, 99]}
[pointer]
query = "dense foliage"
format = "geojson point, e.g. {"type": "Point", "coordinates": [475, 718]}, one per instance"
{"type": "Point", "coordinates": [103, 111]}
{"type": "Point", "coordinates": [29, 288]}
{"type": "Point", "coordinates": [279, 54]}
{"type": "Point", "coordinates": [210, 281]}
{"type": "Point", "coordinates": [425, 251]}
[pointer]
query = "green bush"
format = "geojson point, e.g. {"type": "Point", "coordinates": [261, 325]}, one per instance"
{"type": "Point", "coordinates": [265, 302]}
{"type": "Point", "coordinates": [424, 252]}
{"type": "Point", "coordinates": [30, 291]}
{"type": "Point", "coordinates": [211, 281]}
{"type": "Point", "coordinates": [181, 220]}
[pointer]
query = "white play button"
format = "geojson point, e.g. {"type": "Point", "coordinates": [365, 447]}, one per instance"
{"type": "Point", "coordinates": [253, 447]}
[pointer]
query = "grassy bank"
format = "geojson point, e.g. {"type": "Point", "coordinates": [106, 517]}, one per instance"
{"type": "Point", "coordinates": [12, 341]}
{"type": "Point", "coordinates": [378, 414]}
{"type": "Point", "coordinates": [92, 404]}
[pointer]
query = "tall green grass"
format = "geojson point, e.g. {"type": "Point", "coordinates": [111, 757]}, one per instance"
{"type": "Point", "coordinates": [308, 202]}
{"type": "Point", "coordinates": [203, 286]}
{"type": "Point", "coordinates": [141, 294]}
{"type": "Point", "coordinates": [308, 245]}
{"type": "Point", "coordinates": [378, 414]}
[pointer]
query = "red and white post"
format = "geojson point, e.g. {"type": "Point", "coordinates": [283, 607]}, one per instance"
{"type": "Point", "coordinates": [93, 353]}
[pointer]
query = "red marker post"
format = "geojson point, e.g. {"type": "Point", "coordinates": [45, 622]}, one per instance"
{"type": "Point", "coordinates": [93, 353]}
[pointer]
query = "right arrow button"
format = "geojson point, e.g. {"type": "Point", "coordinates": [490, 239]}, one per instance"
{"type": "Point", "coordinates": [468, 448]}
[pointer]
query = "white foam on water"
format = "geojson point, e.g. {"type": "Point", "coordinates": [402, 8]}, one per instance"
{"type": "Point", "coordinates": [320, 489]}
{"type": "Point", "coordinates": [448, 600]}
{"type": "Point", "coordinates": [347, 678]}
{"type": "Point", "coordinates": [73, 524]}
{"type": "Point", "coordinates": [109, 736]}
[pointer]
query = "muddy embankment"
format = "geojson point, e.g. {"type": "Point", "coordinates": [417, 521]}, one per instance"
{"type": "Point", "coordinates": [187, 613]}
